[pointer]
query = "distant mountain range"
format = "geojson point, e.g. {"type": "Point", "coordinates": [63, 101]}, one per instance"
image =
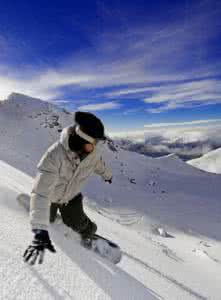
{"type": "Point", "coordinates": [157, 147]}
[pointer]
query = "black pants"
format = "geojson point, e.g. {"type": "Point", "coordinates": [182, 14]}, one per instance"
{"type": "Point", "coordinates": [73, 215]}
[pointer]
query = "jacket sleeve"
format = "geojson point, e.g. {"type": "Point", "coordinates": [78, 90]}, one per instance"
{"type": "Point", "coordinates": [48, 169]}
{"type": "Point", "coordinates": [103, 170]}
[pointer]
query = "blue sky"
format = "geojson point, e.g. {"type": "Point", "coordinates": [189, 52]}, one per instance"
{"type": "Point", "coordinates": [133, 63]}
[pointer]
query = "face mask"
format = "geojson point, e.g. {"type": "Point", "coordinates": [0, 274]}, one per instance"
{"type": "Point", "coordinates": [75, 143]}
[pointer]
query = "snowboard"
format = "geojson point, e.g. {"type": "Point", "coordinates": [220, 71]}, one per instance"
{"type": "Point", "coordinates": [98, 244]}
{"type": "Point", "coordinates": [103, 247]}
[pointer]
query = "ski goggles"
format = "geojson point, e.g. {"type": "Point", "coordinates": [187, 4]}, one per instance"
{"type": "Point", "coordinates": [88, 138]}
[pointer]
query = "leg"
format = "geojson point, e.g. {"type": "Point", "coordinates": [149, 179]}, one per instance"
{"type": "Point", "coordinates": [74, 216]}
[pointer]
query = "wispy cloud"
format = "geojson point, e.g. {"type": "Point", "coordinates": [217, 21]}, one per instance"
{"type": "Point", "coordinates": [60, 101]}
{"type": "Point", "coordinates": [147, 60]}
{"type": "Point", "coordinates": [9, 84]}
{"type": "Point", "coordinates": [190, 123]}
{"type": "Point", "coordinates": [100, 106]}
{"type": "Point", "coordinates": [45, 85]}
{"type": "Point", "coordinates": [129, 91]}
{"type": "Point", "coordinates": [132, 111]}
{"type": "Point", "coordinates": [188, 94]}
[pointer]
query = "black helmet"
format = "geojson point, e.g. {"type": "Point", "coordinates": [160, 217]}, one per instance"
{"type": "Point", "coordinates": [90, 124]}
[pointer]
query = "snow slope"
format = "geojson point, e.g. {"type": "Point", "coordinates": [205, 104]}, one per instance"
{"type": "Point", "coordinates": [73, 273]}
{"type": "Point", "coordinates": [164, 213]}
{"type": "Point", "coordinates": [210, 162]}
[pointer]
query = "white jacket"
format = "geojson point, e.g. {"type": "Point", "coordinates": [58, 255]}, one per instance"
{"type": "Point", "coordinates": [60, 177]}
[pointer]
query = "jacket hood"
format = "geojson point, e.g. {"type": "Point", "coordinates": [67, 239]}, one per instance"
{"type": "Point", "coordinates": [64, 137]}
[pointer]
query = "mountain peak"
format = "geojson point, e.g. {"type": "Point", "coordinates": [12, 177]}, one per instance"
{"type": "Point", "coordinates": [18, 96]}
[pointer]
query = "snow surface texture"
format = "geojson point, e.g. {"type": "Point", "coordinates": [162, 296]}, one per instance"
{"type": "Point", "coordinates": [210, 162]}
{"type": "Point", "coordinates": [164, 213]}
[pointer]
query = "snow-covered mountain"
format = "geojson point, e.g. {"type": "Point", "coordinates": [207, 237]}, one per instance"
{"type": "Point", "coordinates": [210, 162]}
{"type": "Point", "coordinates": [27, 127]}
{"type": "Point", "coordinates": [164, 213]}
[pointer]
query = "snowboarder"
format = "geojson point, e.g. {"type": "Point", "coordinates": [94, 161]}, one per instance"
{"type": "Point", "coordinates": [62, 171]}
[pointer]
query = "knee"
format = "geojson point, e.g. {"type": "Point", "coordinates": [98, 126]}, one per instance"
{"type": "Point", "coordinates": [89, 230]}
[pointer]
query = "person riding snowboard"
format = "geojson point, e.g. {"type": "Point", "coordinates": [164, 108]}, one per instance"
{"type": "Point", "coordinates": [62, 172]}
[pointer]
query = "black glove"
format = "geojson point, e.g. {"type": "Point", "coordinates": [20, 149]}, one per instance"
{"type": "Point", "coordinates": [40, 242]}
{"type": "Point", "coordinates": [109, 180]}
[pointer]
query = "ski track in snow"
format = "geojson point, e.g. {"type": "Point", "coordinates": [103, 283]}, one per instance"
{"type": "Point", "coordinates": [166, 250]}
{"type": "Point", "coordinates": [203, 253]}
{"type": "Point", "coordinates": [165, 276]}
{"type": "Point", "coordinates": [123, 218]}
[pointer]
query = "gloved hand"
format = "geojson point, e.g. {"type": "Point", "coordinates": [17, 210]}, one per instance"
{"type": "Point", "coordinates": [40, 242]}
{"type": "Point", "coordinates": [109, 180]}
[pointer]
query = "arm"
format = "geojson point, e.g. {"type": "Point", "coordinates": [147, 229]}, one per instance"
{"type": "Point", "coordinates": [103, 170]}
{"type": "Point", "coordinates": [43, 184]}
{"type": "Point", "coordinates": [40, 206]}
